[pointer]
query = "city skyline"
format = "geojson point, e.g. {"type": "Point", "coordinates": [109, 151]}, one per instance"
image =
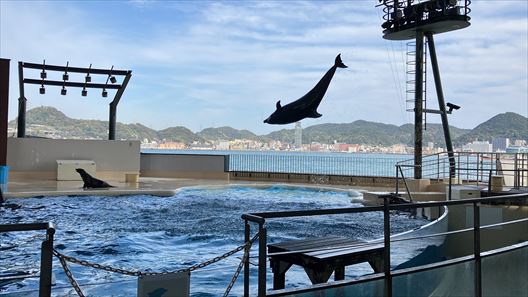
{"type": "Point", "coordinates": [212, 64]}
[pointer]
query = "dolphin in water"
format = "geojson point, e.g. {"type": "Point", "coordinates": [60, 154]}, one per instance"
{"type": "Point", "coordinates": [306, 106]}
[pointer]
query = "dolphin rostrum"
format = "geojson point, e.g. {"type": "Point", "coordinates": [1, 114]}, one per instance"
{"type": "Point", "coordinates": [306, 106]}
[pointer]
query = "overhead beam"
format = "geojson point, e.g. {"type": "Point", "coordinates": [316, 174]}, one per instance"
{"type": "Point", "coordinates": [61, 83]}
{"type": "Point", "coordinates": [74, 69]}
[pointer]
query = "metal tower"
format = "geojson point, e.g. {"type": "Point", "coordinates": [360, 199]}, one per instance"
{"type": "Point", "coordinates": [415, 19]}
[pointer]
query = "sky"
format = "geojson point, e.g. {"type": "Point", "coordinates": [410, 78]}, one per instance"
{"type": "Point", "coordinates": [203, 64]}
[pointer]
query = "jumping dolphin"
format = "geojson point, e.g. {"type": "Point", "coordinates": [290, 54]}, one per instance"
{"type": "Point", "coordinates": [306, 106]}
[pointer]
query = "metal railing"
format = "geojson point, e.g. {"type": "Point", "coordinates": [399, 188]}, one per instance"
{"type": "Point", "coordinates": [46, 254]}
{"type": "Point", "coordinates": [324, 164]}
{"type": "Point", "coordinates": [472, 168]}
{"type": "Point", "coordinates": [260, 219]}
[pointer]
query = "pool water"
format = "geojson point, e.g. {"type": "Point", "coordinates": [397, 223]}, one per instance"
{"type": "Point", "coordinates": [151, 233]}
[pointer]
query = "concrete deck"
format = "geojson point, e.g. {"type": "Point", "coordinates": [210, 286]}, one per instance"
{"type": "Point", "coordinates": [146, 185]}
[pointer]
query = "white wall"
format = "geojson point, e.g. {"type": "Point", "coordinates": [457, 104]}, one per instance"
{"type": "Point", "coordinates": [184, 166]}
{"type": "Point", "coordinates": [37, 157]}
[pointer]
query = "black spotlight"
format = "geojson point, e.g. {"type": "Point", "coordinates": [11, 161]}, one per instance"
{"type": "Point", "coordinates": [88, 78]}
{"type": "Point", "coordinates": [113, 79]}
{"type": "Point", "coordinates": [65, 76]}
{"type": "Point", "coordinates": [452, 107]}
{"type": "Point", "coordinates": [42, 90]}
{"type": "Point", "coordinates": [84, 92]}
{"type": "Point", "coordinates": [43, 74]}
{"type": "Point", "coordinates": [63, 91]}
{"type": "Point", "coordinates": [105, 93]}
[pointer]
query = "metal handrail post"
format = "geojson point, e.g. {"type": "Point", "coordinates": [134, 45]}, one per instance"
{"type": "Point", "coordinates": [397, 179]}
{"type": "Point", "coordinates": [476, 248]}
{"type": "Point", "coordinates": [386, 251]}
{"type": "Point", "coordinates": [262, 261]}
{"type": "Point", "coordinates": [247, 229]}
{"type": "Point", "coordinates": [46, 263]}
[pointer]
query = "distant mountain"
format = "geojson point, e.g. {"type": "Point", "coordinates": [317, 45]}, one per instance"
{"type": "Point", "coordinates": [508, 125]}
{"type": "Point", "coordinates": [49, 121]}
{"type": "Point", "coordinates": [369, 133]}
{"type": "Point", "coordinates": [227, 133]}
{"type": "Point", "coordinates": [179, 134]}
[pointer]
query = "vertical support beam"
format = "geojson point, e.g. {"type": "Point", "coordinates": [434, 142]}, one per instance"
{"type": "Point", "coordinates": [418, 105]}
{"type": "Point", "coordinates": [112, 121]}
{"type": "Point", "coordinates": [386, 250]}
{"type": "Point", "coordinates": [21, 125]}
{"type": "Point", "coordinates": [247, 230]}
{"type": "Point", "coordinates": [262, 265]}
{"type": "Point", "coordinates": [113, 107]}
{"type": "Point", "coordinates": [46, 262]}
{"type": "Point", "coordinates": [441, 103]}
{"type": "Point", "coordinates": [4, 108]}
{"type": "Point", "coordinates": [476, 249]}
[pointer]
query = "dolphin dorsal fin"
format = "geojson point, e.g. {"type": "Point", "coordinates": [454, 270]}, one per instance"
{"type": "Point", "coordinates": [278, 105]}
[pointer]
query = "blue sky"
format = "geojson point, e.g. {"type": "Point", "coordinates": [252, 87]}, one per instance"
{"type": "Point", "coordinates": [206, 64]}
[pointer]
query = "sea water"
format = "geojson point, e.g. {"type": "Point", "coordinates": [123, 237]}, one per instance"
{"type": "Point", "coordinates": [149, 233]}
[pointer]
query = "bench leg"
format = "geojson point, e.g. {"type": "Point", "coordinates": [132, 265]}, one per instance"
{"type": "Point", "coordinates": [377, 265]}
{"type": "Point", "coordinates": [319, 274]}
{"type": "Point", "coordinates": [339, 273]}
{"type": "Point", "coordinates": [279, 269]}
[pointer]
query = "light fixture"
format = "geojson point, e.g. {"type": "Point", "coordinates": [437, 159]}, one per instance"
{"type": "Point", "coordinates": [43, 74]}
{"type": "Point", "coordinates": [105, 93]}
{"type": "Point", "coordinates": [113, 79]}
{"type": "Point", "coordinates": [65, 76]}
{"type": "Point", "coordinates": [84, 92]}
{"type": "Point", "coordinates": [88, 78]}
{"type": "Point", "coordinates": [452, 107]}
{"type": "Point", "coordinates": [63, 91]}
{"type": "Point", "coordinates": [42, 90]}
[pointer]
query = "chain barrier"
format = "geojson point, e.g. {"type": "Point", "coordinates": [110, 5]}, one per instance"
{"type": "Point", "coordinates": [69, 274]}
{"type": "Point", "coordinates": [64, 259]}
{"type": "Point", "coordinates": [239, 268]}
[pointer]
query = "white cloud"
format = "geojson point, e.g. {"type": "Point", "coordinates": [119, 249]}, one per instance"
{"type": "Point", "coordinates": [199, 63]}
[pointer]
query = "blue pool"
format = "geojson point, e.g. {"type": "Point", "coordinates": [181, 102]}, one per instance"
{"type": "Point", "coordinates": [150, 233]}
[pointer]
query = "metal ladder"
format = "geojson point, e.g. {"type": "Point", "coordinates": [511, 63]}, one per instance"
{"type": "Point", "coordinates": [410, 80]}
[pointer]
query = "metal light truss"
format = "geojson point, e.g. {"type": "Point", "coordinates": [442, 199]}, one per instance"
{"type": "Point", "coordinates": [43, 81]}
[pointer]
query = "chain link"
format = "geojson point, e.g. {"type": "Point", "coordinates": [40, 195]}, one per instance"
{"type": "Point", "coordinates": [63, 258]}
{"type": "Point", "coordinates": [69, 274]}
{"type": "Point", "coordinates": [239, 268]}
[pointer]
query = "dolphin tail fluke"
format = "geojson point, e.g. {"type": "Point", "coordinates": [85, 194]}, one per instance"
{"type": "Point", "coordinates": [338, 63]}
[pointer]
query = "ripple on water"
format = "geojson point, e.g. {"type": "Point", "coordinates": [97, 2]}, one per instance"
{"type": "Point", "coordinates": [168, 233]}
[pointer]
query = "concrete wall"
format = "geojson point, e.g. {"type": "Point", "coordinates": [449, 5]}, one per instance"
{"type": "Point", "coordinates": [37, 157]}
{"type": "Point", "coordinates": [184, 166]}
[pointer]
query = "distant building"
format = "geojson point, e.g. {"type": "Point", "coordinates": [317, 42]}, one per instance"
{"type": "Point", "coordinates": [298, 135]}
{"type": "Point", "coordinates": [517, 149]}
{"type": "Point", "coordinates": [478, 147]}
{"type": "Point", "coordinates": [500, 144]}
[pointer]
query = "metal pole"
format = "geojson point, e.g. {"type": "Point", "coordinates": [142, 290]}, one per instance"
{"type": "Point", "coordinates": [418, 105]}
{"type": "Point", "coordinates": [441, 102]}
{"type": "Point", "coordinates": [46, 262]}
{"type": "Point", "coordinates": [112, 121]}
{"type": "Point", "coordinates": [247, 230]}
{"type": "Point", "coordinates": [262, 261]}
{"type": "Point", "coordinates": [476, 248]}
{"type": "Point", "coordinates": [386, 251]}
{"type": "Point", "coordinates": [113, 107]}
{"type": "Point", "coordinates": [21, 125]}
{"type": "Point", "coordinates": [4, 107]}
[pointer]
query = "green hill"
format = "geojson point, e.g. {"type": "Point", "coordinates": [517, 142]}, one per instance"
{"type": "Point", "coordinates": [49, 122]}
{"type": "Point", "coordinates": [507, 125]}
{"type": "Point", "coordinates": [226, 133]}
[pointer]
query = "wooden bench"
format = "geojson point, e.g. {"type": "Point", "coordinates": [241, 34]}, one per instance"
{"type": "Point", "coordinates": [320, 257]}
